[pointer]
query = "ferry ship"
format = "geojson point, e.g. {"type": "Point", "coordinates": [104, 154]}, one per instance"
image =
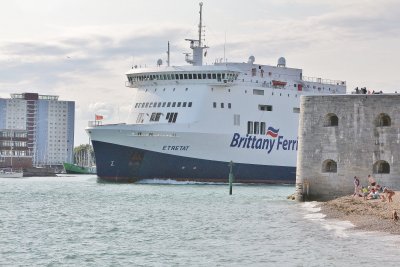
{"type": "Point", "coordinates": [191, 122]}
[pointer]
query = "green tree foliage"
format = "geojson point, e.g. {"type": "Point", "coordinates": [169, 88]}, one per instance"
{"type": "Point", "coordinates": [84, 155]}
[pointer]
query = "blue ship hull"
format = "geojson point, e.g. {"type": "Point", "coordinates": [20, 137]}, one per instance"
{"type": "Point", "coordinates": [124, 164]}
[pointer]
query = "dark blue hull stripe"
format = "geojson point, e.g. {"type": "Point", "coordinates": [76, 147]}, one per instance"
{"type": "Point", "coordinates": [117, 163]}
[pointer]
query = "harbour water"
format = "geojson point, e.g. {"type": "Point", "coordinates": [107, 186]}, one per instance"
{"type": "Point", "coordinates": [78, 221]}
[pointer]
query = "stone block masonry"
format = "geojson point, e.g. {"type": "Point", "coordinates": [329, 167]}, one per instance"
{"type": "Point", "coordinates": [342, 136]}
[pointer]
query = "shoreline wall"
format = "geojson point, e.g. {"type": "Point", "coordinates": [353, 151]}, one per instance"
{"type": "Point", "coordinates": [342, 136]}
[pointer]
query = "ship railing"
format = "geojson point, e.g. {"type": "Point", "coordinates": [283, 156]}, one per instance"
{"type": "Point", "coordinates": [95, 123]}
{"type": "Point", "coordinates": [323, 81]}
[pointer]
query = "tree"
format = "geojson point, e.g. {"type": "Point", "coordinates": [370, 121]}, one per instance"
{"type": "Point", "coordinates": [84, 155]}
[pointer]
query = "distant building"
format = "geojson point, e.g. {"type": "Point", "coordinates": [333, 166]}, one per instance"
{"type": "Point", "coordinates": [48, 122]}
{"type": "Point", "coordinates": [14, 151]}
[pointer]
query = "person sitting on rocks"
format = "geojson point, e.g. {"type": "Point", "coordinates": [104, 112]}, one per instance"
{"type": "Point", "coordinates": [375, 195]}
{"type": "Point", "coordinates": [389, 194]}
{"type": "Point", "coordinates": [365, 192]}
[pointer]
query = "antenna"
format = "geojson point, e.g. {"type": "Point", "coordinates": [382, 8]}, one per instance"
{"type": "Point", "coordinates": [168, 55]}
{"type": "Point", "coordinates": [225, 48]}
{"type": "Point", "coordinates": [201, 22]}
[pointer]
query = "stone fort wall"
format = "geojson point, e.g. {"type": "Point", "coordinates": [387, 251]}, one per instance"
{"type": "Point", "coordinates": [342, 136]}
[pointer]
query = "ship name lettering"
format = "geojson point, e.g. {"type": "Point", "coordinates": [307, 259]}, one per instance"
{"type": "Point", "coordinates": [268, 144]}
{"type": "Point", "coordinates": [176, 148]}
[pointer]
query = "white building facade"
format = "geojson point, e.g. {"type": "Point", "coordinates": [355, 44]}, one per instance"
{"type": "Point", "coordinates": [48, 121]}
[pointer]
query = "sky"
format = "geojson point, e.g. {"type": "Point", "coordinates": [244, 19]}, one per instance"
{"type": "Point", "coordinates": [80, 50]}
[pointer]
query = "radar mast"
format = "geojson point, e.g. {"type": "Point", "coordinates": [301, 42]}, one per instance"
{"type": "Point", "coordinates": [196, 45]}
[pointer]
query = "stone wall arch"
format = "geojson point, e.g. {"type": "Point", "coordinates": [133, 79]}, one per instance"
{"type": "Point", "coordinates": [329, 166]}
{"type": "Point", "coordinates": [383, 120]}
{"type": "Point", "coordinates": [330, 120]}
{"type": "Point", "coordinates": [381, 166]}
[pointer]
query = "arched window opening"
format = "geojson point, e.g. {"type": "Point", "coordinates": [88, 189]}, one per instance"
{"type": "Point", "coordinates": [329, 166]}
{"type": "Point", "coordinates": [381, 166]}
{"type": "Point", "coordinates": [331, 120]}
{"type": "Point", "coordinates": [383, 120]}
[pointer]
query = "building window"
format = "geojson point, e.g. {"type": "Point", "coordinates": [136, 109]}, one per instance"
{"type": "Point", "coordinates": [383, 120]}
{"type": "Point", "coordinates": [265, 107]}
{"type": "Point", "coordinates": [331, 120]}
{"type": "Point", "coordinates": [381, 166]}
{"type": "Point", "coordinates": [329, 166]}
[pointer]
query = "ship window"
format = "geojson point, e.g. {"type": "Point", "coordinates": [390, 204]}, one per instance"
{"type": "Point", "coordinates": [229, 105]}
{"type": "Point", "coordinates": [195, 76]}
{"type": "Point", "coordinates": [163, 104]}
{"type": "Point", "coordinates": [265, 107]}
{"type": "Point", "coordinates": [223, 75]}
{"type": "Point", "coordinates": [173, 104]}
{"type": "Point", "coordinates": [190, 76]}
{"type": "Point", "coordinates": [199, 76]}
{"type": "Point", "coordinates": [294, 85]}
{"type": "Point", "coordinates": [249, 127]}
{"type": "Point", "coordinates": [154, 104]}
{"type": "Point", "coordinates": [219, 77]}
{"type": "Point", "coordinates": [147, 105]}
{"type": "Point", "coordinates": [222, 105]}
{"type": "Point", "coordinates": [262, 128]}
{"type": "Point", "coordinates": [175, 116]}
{"type": "Point", "coordinates": [167, 117]}
{"type": "Point", "coordinates": [296, 110]}
{"type": "Point", "coordinates": [136, 105]}
{"type": "Point", "coordinates": [159, 104]}
{"type": "Point", "coordinates": [236, 119]}
{"type": "Point", "coordinates": [204, 76]}
{"type": "Point", "coordinates": [214, 76]}
{"type": "Point", "coordinates": [169, 104]}
{"type": "Point", "coordinates": [151, 105]}
{"type": "Point", "coordinates": [209, 75]}
{"type": "Point", "coordinates": [139, 118]}
{"type": "Point", "coordinates": [256, 127]}
{"type": "Point", "coordinates": [185, 75]}
{"type": "Point", "coordinates": [179, 104]}
{"type": "Point", "coordinates": [176, 76]}
{"type": "Point", "coordinates": [190, 104]}
{"type": "Point", "coordinates": [258, 92]}
{"type": "Point", "coordinates": [181, 76]}
{"type": "Point", "coordinates": [184, 104]}
{"type": "Point", "coordinates": [214, 104]}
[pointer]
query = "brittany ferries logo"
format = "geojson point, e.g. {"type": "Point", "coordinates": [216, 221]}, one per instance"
{"type": "Point", "coordinates": [273, 141]}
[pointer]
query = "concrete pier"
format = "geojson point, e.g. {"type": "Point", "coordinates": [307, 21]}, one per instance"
{"type": "Point", "coordinates": [342, 136]}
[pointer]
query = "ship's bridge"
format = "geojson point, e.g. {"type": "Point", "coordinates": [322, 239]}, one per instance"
{"type": "Point", "coordinates": [188, 74]}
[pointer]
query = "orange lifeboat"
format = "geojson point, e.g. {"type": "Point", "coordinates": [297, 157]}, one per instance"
{"type": "Point", "coordinates": [278, 83]}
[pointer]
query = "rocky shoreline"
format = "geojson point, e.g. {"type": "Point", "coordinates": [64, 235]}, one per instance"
{"type": "Point", "coordinates": [366, 215]}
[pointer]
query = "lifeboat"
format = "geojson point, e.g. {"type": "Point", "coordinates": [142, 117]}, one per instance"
{"type": "Point", "coordinates": [278, 83]}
